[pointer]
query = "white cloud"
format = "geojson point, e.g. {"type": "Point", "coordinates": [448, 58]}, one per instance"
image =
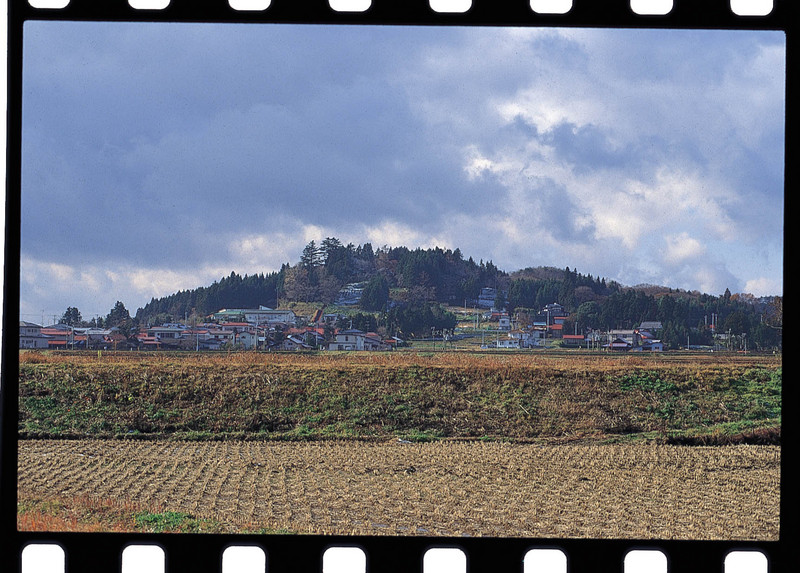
{"type": "Point", "coordinates": [763, 286]}
{"type": "Point", "coordinates": [396, 234]}
{"type": "Point", "coordinates": [50, 288]}
{"type": "Point", "coordinates": [476, 164]}
{"type": "Point", "coordinates": [682, 248]}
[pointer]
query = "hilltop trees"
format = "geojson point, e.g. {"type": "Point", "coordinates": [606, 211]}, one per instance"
{"type": "Point", "coordinates": [419, 318]}
{"type": "Point", "coordinates": [437, 274]}
{"type": "Point", "coordinates": [72, 317]}
{"type": "Point", "coordinates": [117, 315]}
{"type": "Point", "coordinates": [233, 291]}
{"type": "Point", "coordinates": [535, 288]}
{"type": "Point", "coordinates": [376, 293]}
{"type": "Point", "coordinates": [120, 318]}
{"type": "Point", "coordinates": [410, 288]}
{"type": "Point", "coordinates": [587, 314]}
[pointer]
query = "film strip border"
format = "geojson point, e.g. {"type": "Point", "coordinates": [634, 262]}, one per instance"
{"type": "Point", "coordinates": [749, 14]}
{"type": "Point", "coordinates": [56, 552]}
{"type": "Point", "coordinates": [319, 554]}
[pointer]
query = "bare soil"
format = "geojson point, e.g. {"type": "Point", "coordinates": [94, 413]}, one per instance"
{"type": "Point", "coordinates": [443, 488]}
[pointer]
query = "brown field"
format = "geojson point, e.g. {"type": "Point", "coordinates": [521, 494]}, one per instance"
{"type": "Point", "coordinates": [444, 488]}
{"type": "Point", "coordinates": [544, 397]}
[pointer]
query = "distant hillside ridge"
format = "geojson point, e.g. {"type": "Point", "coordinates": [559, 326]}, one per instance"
{"type": "Point", "coordinates": [376, 280]}
{"type": "Point", "coordinates": [430, 275]}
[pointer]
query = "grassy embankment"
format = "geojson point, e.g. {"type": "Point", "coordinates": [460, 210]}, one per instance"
{"type": "Point", "coordinates": [524, 397]}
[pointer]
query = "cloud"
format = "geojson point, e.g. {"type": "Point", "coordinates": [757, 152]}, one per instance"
{"type": "Point", "coordinates": [151, 149]}
{"type": "Point", "coordinates": [94, 289]}
{"type": "Point", "coordinates": [682, 248]}
{"type": "Point", "coordinates": [763, 286]}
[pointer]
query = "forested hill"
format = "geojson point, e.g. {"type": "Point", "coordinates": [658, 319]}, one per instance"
{"type": "Point", "coordinates": [394, 277]}
{"type": "Point", "coordinates": [437, 275]}
{"type": "Point", "coordinates": [233, 291]}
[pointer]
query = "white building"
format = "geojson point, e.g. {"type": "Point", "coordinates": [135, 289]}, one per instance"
{"type": "Point", "coordinates": [354, 339]}
{"type": "Point", "coordinates": [508, 343]}
{"type": "Point", "coordinates": [166, 332]}
{"type": "Point", "coordinates": [30, 336]}
{"type": "Point", "coordinates": [261, 315]}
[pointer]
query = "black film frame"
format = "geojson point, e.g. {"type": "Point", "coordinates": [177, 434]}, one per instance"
{"type": "Point", "coordinates": [202, 552]}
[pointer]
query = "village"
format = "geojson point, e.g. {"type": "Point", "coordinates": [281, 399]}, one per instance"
{"type": "Point", "coordinates": [267, 329]}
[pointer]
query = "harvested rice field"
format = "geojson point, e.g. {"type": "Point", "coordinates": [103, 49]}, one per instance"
{"type": "Point", "coordinates": [442, 488]}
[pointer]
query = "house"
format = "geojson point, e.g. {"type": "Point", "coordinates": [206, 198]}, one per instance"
{"type": "Point", "coordinates": [555, 313]}
{"type": "Point", "coordinates": [29, 329]}
{"type": "Point", "coordinates": [209, 344]}
{"type": "Point", "coordinates": [64, 337]}
{"type": "Point", "coordinates": [618, 344]}
{"type": "Point", "coordinates": [96, 337]}
{"type": "Point", "coordinates": [646, 336]}
{"type": "Point", "coordinates": [501, 318]}
{"type": "Point", "coordinates": [574, 340]}
{"type": "Point", "coordinates": [220, 335]}
{"type": "Point", "coordinates": [196, 333]}
{"type": "Point", "coordinates": [507, 343]}
{"type": "Point", "coordinates": [314, 336]}
{"type": "Point", "coordinates": [247, 339]}
{"type": "Point", "coordinates": [373, 341]}
{"type": "Point", "coordinates": [629, 336]}
{"type": "Point", "coordinates": [347, 340]}
{"type": "Point", "coordinates": [650, 346]}
{"type": "Point", "coordinates": [523, 339]}
{"type": "Point", "coordinates": [635, 340]}
{"type": "Point", "coordinates": [116, 340]}
{"type": "Point", "coordinates": [30, 335]}
{"type": "Point", "coordinates": [487, 297]}
{"type": "Point", "coordinates": [294, 343]}
{"type": "Point", "coordinates": [165, 333]}
{"type": "Point", "coordinates": [354, 339]}
{"type": "Point", "coordinates": [266, 315]}
{"type": "Point", "coordinates": [147, 341]}
{"type": "Point", "coordinates": [393, 342]}
{"type": "Point", "coordinates": [534, 337]}
{"type": "Point", "coordinates": [350, 294]}
{"type": "Point", "coordinates": [237, 325]}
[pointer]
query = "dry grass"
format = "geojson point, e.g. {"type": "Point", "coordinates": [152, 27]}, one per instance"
{"type": "Point", "coordinates": [492, 359]}
{"type": "Point", "coordinates": [381, 395]}
{"type": "Point", "coordinates": [442, 488]}
{"type": "Point", "coordinates": [79, 513]}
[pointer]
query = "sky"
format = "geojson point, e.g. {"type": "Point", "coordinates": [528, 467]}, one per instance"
{"type": "Point", "coordinates": [158, 157]}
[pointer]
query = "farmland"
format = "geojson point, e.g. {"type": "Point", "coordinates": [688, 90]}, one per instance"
{"type": "Point", "coordinates": [368, 396]}
{"type": "Point", "coordinates": [392, 488]}
{"type": "Point", "coordinates": [565, 445]}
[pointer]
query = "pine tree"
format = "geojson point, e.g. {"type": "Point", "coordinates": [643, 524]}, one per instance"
{"type": "Point", "coordinates": [72, 317]}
